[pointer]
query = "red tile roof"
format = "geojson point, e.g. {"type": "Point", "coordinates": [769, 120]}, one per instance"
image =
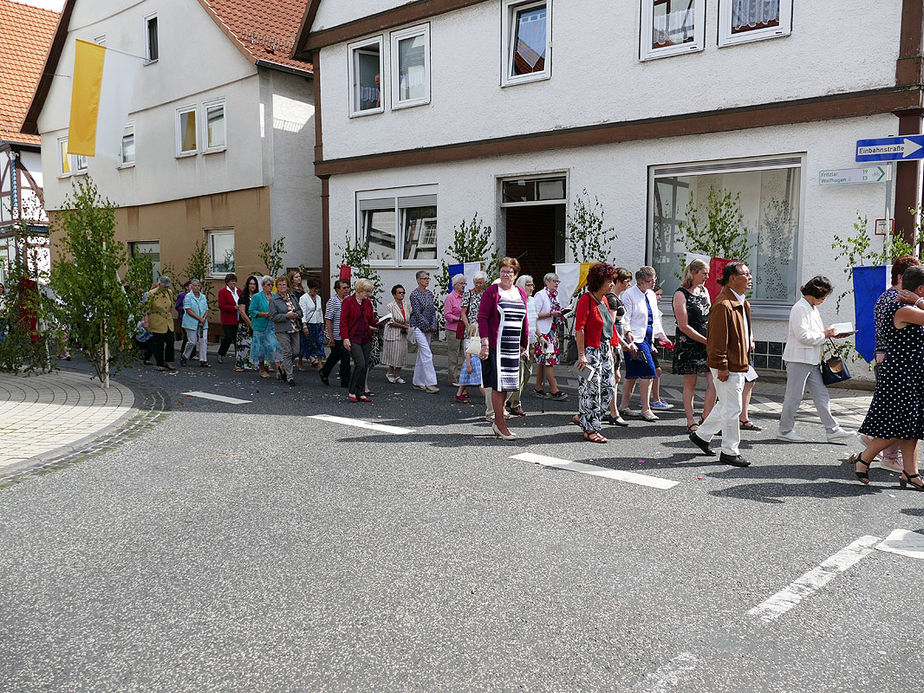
{"type": "Point", "coordinates": [25, 37]}
{"type": "Point", "coordinates": [265, 30]}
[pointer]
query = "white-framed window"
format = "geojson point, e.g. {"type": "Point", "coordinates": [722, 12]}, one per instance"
{"type": "Point", "coordinates": [410, 63]}
{"type": "Point", "coordinates": [367, 74]}
{"type": "Point", "coordinates": [672, 27]}
{"type": "Point", "coordinates": [127, 150]}
{"type": "Point", "coordinates": [151, 42]}
{"type": "Point", "coordinates": [544, 190]}
{"type": "Point", "coordinates": [741, 21]}
{"type": "Point", "coordinates": [215, 135]}
{"type": "Point", "coordinates": [151, 248]}
{"type": "Point", "coordinates": [221, 251]}
{"type": "Point", "coordinates": [527, 41]}
{"type": "Point", "coordinates": [64, 159]}
{"type": "Point", "coordinates": [400, 225]}
{"type": "Point", "coordinates": [187, 133]}
{"type": "Point", "coordinates": [768, 194]}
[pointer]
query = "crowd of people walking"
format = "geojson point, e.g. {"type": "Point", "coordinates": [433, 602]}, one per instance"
{"type": "Point", "coordinates": [499, 334]}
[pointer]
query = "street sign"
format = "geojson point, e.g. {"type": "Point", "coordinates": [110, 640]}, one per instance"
{"type": "Point", "coordinates": [882, 226]}
{"type": "Point", "coordinates": [852, 176]}
{"type": "Point", "coordinates": [901, 148]}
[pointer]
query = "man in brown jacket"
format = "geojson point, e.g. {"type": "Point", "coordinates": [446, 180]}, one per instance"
{"type": "Point", "coordinates": [727, 346]}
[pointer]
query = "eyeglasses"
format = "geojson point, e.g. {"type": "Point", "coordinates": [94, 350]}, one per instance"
{"type": "Point", "coordinates": [743, 274]}
{"type": "Point", "coordinates": [399, 292]}
{"type": "Point", "coordinates": [508, 272]}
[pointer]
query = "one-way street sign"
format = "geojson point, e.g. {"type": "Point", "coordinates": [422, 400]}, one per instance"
{"type": "Point", "coordinates": [902, 148]}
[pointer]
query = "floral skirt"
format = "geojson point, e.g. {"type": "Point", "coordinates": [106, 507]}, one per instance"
{"type": "Point", "coordinates": [547, 349]}
{"type": "Point", "coordinates": [265, 346]}
{"type": "Point", "coordinates": [242, 346]}
{"type": "Point", "coordinates": [312, 344]}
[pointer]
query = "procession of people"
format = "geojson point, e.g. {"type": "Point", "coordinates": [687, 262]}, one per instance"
{"type": "Point", "coordinates": [498, 334]}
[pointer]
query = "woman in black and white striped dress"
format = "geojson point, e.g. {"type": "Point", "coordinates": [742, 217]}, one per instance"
{"type": "Point", "coordinates": [504, 337]}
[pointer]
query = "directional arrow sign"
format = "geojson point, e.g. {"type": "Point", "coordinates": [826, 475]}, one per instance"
{"type": "Point", "coordinates": [904, 148]}
{"type": "Point", "coordinates": [849, 176]}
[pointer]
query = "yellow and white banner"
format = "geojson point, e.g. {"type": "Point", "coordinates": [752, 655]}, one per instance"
{"type": "Point", "coordinates": [100, 99]}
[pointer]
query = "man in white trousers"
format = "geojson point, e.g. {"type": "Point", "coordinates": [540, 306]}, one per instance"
{"type": "Point", "coordinates": [727, 347]}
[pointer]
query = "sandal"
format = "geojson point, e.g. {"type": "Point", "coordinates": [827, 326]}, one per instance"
{"type": "Point", "coordinates": [539, 393]}
{"type": "Point", "coordinates": [857, 458]}
{"type": "Point", "coordinates": [906, 480]}
{"type": "Point", "coordinates": [692, 428]}
{"type": "Point", "coordinates": [576, 420]}
{"type": "Point", "coordinates": [594, 437]}
{"type": "Point", "coordinates": [518, 411]}
{"type": "Point", "coordinates": [748, 426]}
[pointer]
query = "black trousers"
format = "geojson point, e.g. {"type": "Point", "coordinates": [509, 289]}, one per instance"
{"type": "Point", "coordinates": [161, 345]}
{"type": "Point", "coordinates": [229, 335]}
{"type": "Point", "coordinates": [338, 353]}
{"type": "Point", "coordinates": [361, 358]}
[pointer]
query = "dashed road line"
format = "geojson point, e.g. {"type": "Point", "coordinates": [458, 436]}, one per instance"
{"type": "Point", "coordinates": [618, 475]}
{"type": "Point", "coordinates": [669, 675]}
{"type": "Point", "coordinates": [359, 423]}
{"type": "Point", "coordinates": [217, 398]}
{"type": "Point", "coordinates": [805, 586]}
{"type": "Point", "coordinates": [904, 543]}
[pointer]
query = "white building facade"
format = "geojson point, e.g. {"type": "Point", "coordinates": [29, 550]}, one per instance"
{"type": "Point", "coordinates": [220, 135]}
{"type": "Point", "coordinates": [508, 109]}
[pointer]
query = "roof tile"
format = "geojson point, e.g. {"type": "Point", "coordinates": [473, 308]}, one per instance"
{"type": "Point", "coordinates": [25, 37]}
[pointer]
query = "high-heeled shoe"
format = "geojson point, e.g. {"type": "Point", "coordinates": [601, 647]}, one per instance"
{"type": "Point", "coordinates": [498, 434]}
{"type": "Point", "coordinates": [906, 480]}
{"type": "Point", "coordinates": [855, 459]}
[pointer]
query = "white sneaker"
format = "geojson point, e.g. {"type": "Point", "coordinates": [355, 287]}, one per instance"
{"type": "Point", "coordinates": [840, 437]}
{"type": "Point", "coordinates": [791, 436]}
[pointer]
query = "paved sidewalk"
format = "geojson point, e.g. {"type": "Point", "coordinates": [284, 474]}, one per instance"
{"type": "Point", "coordinates": [46, 415]}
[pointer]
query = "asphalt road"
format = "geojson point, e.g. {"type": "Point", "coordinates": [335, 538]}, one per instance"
{"type": "Point", "coordinates": [252, 547]}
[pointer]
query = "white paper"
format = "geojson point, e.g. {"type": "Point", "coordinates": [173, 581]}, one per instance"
{"type": "Point", "coordinates": [751, 375]}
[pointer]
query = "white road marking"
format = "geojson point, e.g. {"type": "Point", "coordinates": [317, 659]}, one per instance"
{"type": "Point", "coordinates": [217, 398]}
{"type": "Point", "coordinates": [905, 543]}
{"type": "Point", "coordinates": [815, 579]}
{"type": "Point", "coordinates": [632, 478]}
{"type": "Point", "coordinates": [670, 675]}
{"type": "Point", "coordinates": [358, 423]}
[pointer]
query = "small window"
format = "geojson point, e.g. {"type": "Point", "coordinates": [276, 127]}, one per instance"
{"type": "Point", "coordinates": [221, 252]}
{"type": "Point", "coordinates": [151, 248]}
{"type": "Point", "coordinates": [527, 41]}
{"type": "Point", "coordinates": [541, 190]}
{"type": "Point", "coordinates": [186, 142]}
{"type": "Point", "coordinates": [379, 228]}
{"type": "Point", "coordinates": [366, 77]}
{"type": "Point", "coordinates": [64, 159]}
{"type": "Point", "coordinates": [80, 163]}
{"type": "Point", "coordinates": [127, 155]}
{"type": "Point", "coordinates": [152, 51]}
{"type": "Point", "coordinates": [672, 27]}
{"type": "Point", "coordinates": [215, 126]}
{"type": "Point", "coordinates": [741, 21]}
{"type": "Point", "coordinates": [410, 50]}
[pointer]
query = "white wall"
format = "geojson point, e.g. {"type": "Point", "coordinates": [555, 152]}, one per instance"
{"type": "Point", "coordinates": [597, 76]}
{"type": "Point", "coordinates": [334, 12]}
{"type": "Point", "coordinates": [618, 175]}
{"type": "Point", "coordinates": [295, 192]}
{"type": "Point", "coordinates": [187, 72]}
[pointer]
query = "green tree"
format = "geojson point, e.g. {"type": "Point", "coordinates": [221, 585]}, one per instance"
{"type": "Point", "coordinates": [271, 255]}
{"type": "Point", "coordinates": [472, 241]}
{"type": "Point", "coordinates": [718, 229]}
{"type": "Point", "coordinates": [588, 238]}
{"type": "Point", "coordinates": [199, 267]}
{"type": "Point", "coordinates": [355, 255]}
{"type": "Point", "coordinates": [96, 310]}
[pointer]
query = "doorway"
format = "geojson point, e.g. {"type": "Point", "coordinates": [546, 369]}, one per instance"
{"type": "Point", "coordinates": [534, 222]}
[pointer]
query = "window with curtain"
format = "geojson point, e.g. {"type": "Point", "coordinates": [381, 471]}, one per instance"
{"type": "Point", "coordinates": [366, 77]}
{"type": "Point", "coordinates": [749, 15]}
{"type": "Point", "coordinates": [529, 43]}
{"type": "Point", "coordinates": [411, 78]}
{"type": "Point", "coordinates": [673, 22]}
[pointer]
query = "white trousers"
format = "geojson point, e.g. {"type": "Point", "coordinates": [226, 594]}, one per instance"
{"type": "Point", "coordinates": [424, 372]}
{"type": "Point", "coordinates": [724, 415]}
{"type": "Point", "coordinates": [797, 375]}
{"type": "Point", "coordinates": [192, 339]}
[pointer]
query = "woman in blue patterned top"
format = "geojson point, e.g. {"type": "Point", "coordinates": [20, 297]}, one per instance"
{"type": "Point", "coordinates": [423, 322]}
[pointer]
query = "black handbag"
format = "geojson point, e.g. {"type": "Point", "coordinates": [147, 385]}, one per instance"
{"type": "Point", "coordinates": [834, 370]}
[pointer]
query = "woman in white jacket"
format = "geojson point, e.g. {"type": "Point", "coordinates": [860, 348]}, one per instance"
{"type": "Point", "coordinates": [802, 355]}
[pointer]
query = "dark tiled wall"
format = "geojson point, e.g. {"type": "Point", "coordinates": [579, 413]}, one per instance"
{"type": "Point", "coordinates": [769, 355]}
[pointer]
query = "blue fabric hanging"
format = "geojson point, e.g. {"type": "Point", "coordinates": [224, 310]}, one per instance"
{"type": "Point", "coordinates": [868, 285]}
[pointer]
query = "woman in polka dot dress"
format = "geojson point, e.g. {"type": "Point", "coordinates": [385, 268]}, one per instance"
{"type": "Point", "coordinates": [897, 411]}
